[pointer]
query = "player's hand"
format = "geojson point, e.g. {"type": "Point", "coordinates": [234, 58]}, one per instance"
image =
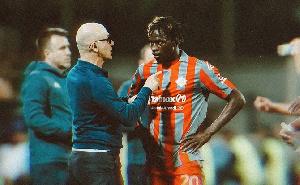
{"type": "Point", "coordinates": [194, 142]}
{"type": "Point", "coordinates": [295, 106]}
{"type": "Point", "coordinates": [152, 81]}
{"type": "Point", "coordinates": [262, 104]}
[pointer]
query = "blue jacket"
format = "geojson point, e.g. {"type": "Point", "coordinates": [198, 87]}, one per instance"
{"type": "Point", "coordinates": [98, 111]}
{"type": "Point", "coordinates": [47, 113]}
{"type": "Point", "coordinates": [136, 153]}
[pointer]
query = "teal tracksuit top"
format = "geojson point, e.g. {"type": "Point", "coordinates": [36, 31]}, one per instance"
{"type": "Point", "coordinates": [47, 113]}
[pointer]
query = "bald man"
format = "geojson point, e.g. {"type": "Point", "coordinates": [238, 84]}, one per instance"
{"type": "Point", "coordinates": [98, 111]}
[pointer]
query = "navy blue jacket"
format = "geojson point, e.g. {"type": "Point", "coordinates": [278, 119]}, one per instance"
{"type": "Point", "coordinates": [98, 111]}
{"type": "Point", "coordinates": [47, 113]}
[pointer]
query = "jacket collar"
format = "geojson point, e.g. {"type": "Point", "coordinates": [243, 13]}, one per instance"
{"type": "Point", "coordinates": [93, 67]}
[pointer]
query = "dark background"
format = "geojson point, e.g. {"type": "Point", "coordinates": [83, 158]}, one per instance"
{"type": "Point", "coordinates": [238, 36]}
{"type": "Point", "coordinates": [254, 26]}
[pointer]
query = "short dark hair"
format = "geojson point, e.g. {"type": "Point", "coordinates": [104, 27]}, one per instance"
{"type": "Point", "coordinates": [45, 36]}
{"type": "Point", "coordinates": [168, 26]}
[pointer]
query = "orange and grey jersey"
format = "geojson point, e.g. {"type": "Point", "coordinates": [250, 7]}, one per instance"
{"type": "Point", "coordinates": [179, 106]}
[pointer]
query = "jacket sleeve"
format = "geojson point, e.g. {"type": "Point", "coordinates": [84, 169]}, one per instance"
{"type": "Point", "coordinates": [137, 82]}
{"type": "Point", "coordinates": [127, 114]}
{"type": "Point", "coordinates": [37, 110]}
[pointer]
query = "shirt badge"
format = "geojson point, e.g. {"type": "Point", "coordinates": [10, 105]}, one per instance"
{"type": "Point", "coordinates": [181, 81]}
{"type": "Point", "coordinates": [56, 85]}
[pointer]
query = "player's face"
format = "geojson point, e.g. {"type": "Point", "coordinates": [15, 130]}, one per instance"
{"type": "Point", "coordinates": [162, 48]}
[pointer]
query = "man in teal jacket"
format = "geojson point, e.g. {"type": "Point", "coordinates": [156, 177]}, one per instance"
{"type": "Point", "coordinates": [98, 112]}
{"type": "Point", "coordinates": [47, 110]}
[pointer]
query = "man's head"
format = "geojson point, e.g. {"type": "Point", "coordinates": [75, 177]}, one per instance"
{"type": "Point", "coordinates": [164, 34]}
{"type": "Point", "coordinates": [93, 38]}
{"type": "Point", "coordinates": [145, 54]}
{"type": "Point", "coordinates": [54, 48]}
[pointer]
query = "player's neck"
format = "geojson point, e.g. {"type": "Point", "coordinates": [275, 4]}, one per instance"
{"type": "Point", "coordinates": [172, 60]}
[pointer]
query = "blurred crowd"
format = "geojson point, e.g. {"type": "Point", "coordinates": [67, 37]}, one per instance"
{"type": "Point", "coordinates": [14, 144]}
{"type": "Point", "coordinates": [258, 158]}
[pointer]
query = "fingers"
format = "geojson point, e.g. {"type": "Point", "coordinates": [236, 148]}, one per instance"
{"type": "Point", "coordinates": [258, 101]}
{"type": "Point", "coordinates": [157, 73]}
{"type": "Point", "coordinates": [262, 104]}
{"type": "Point", "coordinates": [153, 81]}
{"type": "Point", "coordinates": [190, 144]}
{"type": "Point", "coordinates": [130, 100]}
{"type": "Point", "coordinates": [187, 146]}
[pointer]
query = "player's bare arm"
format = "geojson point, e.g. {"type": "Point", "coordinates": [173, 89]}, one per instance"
{"type": "Point", "coordinates": [235, 103]}
{"type": "Point", "coordinates": [266, 105]}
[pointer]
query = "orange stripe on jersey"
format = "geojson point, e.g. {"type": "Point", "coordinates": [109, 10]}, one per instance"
{"type": "Point", "coordinates": [146, 69]}
{"type": "Point", "coordinates": [210, 84]}
{"type": "Point", "coordinates": [136, 89]}
{"type": "Point", "coordinates": [169, 117]}
{"type": "Point", "coordinates": [229, 84]}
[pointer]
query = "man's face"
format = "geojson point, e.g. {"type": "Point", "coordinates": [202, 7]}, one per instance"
{"type": "Point", "coordinates": [58, 52]}
{"type": "Point", "coordinates": [105, 47]}
{"type": "Point", "coordinates": [162, 48]}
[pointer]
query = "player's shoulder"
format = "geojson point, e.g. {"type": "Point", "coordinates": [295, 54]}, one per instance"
{"type": "Point", "coordinates": [149, 63]}
{"type": "Point", "coordinates": [197, 61]}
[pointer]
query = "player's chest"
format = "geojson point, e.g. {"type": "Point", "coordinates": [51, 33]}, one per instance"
{"type": "Point", "coordinates": [175, 81]}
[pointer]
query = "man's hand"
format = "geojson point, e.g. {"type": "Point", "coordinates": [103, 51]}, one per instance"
{"type": "Point", "coordinates": [262, 104]}
{"type": "Point", "coordinates": [286, 134]}
{"type": "Point", "coordinates": [286, 138]}
{"type": "Point", "coordinates": [152, 81]}
{"type": "Point", "coordinates": [130, 100]}
{"type": "Point", "coordinates": [196, 141]}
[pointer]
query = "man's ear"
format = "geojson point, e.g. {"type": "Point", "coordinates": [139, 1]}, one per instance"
{"type": "Point", "coordinates": [94, 47]}
{"type": "Point", "coordinates": [46, 52]}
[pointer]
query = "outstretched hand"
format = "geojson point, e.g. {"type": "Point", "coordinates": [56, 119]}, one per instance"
{"type": "Point", "coordinates": [262, 104]}
{"type": "Point", "coordinates": [153, 81]}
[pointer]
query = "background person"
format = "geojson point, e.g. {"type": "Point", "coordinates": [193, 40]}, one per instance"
{"type": "Point", "coordinates": [47, 110]}
{"type": "Point", "coordinates": [265, 104]}
{"type": "Point", "coordinates": [136, 156]}
{"type": "Point", "coordinates": [14, 156]}
{"type": "Point", "coordinates": [290, 108]}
